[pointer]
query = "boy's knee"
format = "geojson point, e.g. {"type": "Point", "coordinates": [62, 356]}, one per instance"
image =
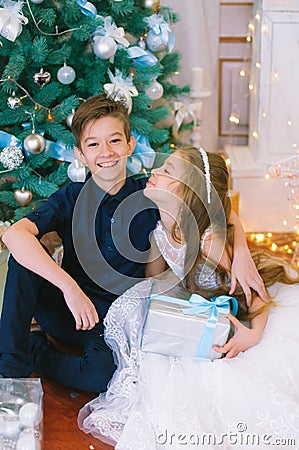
{"type": "Point", "coordinates": [99, 371]}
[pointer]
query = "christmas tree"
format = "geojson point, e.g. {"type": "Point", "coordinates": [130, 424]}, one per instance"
{"type": "Point", "coordinates": [56, 54]}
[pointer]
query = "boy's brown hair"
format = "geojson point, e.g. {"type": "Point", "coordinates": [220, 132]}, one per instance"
{"type": "Point", "coordinates": [95, 108]}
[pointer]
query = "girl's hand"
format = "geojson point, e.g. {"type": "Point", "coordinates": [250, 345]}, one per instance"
{"type": "Point", "coordinates": [245, 272]}
{"type": "Point", "coordinates": [81, 307]}
{"type": "Point", "coordinates": [243, 339]}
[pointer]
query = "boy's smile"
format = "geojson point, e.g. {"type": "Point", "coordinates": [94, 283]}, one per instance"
{"type": "Point", "coordinates": [104, 149]}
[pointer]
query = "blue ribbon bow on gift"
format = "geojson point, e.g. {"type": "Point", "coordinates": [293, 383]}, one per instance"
{"type": "Point", "coordinates": [223, 304]}
{"type": "Point", "coordinates": [213, 307]}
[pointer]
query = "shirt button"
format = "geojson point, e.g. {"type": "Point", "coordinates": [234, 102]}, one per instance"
{"type": "Point", "coordinates": [112, 220]}
{"type": "Point", "coordinates": [109, 248]}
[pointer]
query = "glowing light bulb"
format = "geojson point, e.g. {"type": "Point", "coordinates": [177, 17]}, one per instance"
{"type": "Point", "coordinates": [284, 222]}
{"type": "Point", "coordinates": [242, 73]}
{"type": "Point", "coordinates": [267, 176]}
{"type": "Point", "coordinates": [264, 115]}
{"type": "Point", "coordinates": [290, 123]}
{"type": "Point", "coordinates": [276, 75]}
{"type": "Point", "coordinates": [258, 65]}
{"type": "Point", "coordinates": [264, 29]}
{"type": "Point", "coordinates": [250, 87]}
{"type": "Point", "coordinates": [234, 118]}
{"type": "Point", "coordinates": [273, 247]}
{"type": "Point", "coordinates": [248, 38]}
{"type": "Point", "coordinates": [254, 134]}
{"type": "Point", "coordinates": [258, 17]}
{"type": "Point", "coordinates": [259, 237]}
{"type": "Point", "coordinates": [176, 72]}
{"type": "Point", "coordinates": [269, 235]}
{"type": "Point", "coordinates": [172, 146]}
{"type": "Point", "coordinates": [251, 26]}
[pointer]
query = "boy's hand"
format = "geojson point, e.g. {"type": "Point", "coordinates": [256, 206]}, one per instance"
{"type": "Point", "coordinates": [82, 308]}
{"type": "Point", "coordinates": [243, 339]}
{"type": "Point", "coordinates": [245, 272]}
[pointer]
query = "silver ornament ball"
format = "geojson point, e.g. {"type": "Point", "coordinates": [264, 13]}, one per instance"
{"type": "Point", "coordinates": [14, 102]}
{"type": "Point", "coordinates": [66, 75]}
{"type": "Point", "coordinates": [104, 47]}
{"type": "Point", "coordinates": [41, 78]}
{"type": "Point", "coordinates": [69, 119]}
{"type": "Point", "coordinates": [34, 143]}
{"type": "Point", "coordinates": [155, 42]}
{"type": "Point", "coordinates": [11, 157]}
{"type": "Point", "coordinates": [155, 90]}
{"type": "Point", "coordinates": [36, 2]}
{"type": "Point", "coordinates": [123, 97]}
{"type": "Point", "coordinates": [152, 4]}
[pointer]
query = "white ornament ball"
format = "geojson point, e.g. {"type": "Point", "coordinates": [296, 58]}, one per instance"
{"type": "Point", "coordinates": [76, 171]}
{"type": "Point", "coordinates": [104, 47]}
{"type": "Point", "coordinates": [34, 143]}
{"type": "Point", "coordinates": [155, 42]}
{"type": "Point", "coordinates": [37, 2]}
{"type": "Point", "coordinates": [29, 414]}
{"type": "Point", "coordinates": [66, 75]}
{"type": "Point", "coordinates": [28, 442]}
{"type": "Point", "coordinates": [11, 429]}
{"type": "Point", "coordinates": [155, 90]}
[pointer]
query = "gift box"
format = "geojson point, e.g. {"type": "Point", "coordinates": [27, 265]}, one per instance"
{"type": "Point", "coordinates": [21, 413]}
{"type": "Point", "coordinates": [187, 328]}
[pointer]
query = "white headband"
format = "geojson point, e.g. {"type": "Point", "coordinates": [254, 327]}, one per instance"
{"type": "Point", "coordinates": [207, 172]}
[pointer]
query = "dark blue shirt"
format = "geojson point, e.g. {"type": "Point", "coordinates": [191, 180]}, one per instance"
{"type": "Point", "coordinates": [105, 237]}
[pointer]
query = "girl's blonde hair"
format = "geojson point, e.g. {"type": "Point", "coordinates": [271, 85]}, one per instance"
{"type": "Point", "coordinates": [197, 215]}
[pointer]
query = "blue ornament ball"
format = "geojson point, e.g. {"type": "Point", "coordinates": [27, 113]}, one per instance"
{"type": "Point", "coordinates": [155, 42]}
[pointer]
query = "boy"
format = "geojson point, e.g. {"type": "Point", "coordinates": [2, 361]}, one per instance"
{"type": "Point", "coordinates": [104, 224]}
{"type": "Point", "coordinates": [66, 302]}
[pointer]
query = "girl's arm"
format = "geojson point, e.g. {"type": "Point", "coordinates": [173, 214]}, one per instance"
{"type": "Point", "coordinates": [243, 268]}
{"type": "Point", "coordinates": [245, 337]}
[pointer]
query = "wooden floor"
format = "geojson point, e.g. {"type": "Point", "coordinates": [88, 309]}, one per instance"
{"type": "Point", "coordinates": [61, 432]}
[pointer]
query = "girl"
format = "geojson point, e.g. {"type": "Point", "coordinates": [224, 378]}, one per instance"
{"type": "Point", "coordinates": [251, 396]}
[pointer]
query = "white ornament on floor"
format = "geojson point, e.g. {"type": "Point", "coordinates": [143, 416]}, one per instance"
{"type": "Point", "coordinates": [28, 442]}
{"type": "Point", "coordinates": [29, 414]}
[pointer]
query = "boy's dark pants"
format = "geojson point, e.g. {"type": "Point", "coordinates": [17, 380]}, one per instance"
{"type": "Point", "coordinates": [28, 295]}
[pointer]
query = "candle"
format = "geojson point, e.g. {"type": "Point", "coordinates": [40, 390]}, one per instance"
{"type": "Point", "coordinates": [196, 80]}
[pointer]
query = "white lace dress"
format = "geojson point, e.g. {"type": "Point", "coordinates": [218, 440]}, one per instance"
{"type": "Point", "coordinates": [158, 402]}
